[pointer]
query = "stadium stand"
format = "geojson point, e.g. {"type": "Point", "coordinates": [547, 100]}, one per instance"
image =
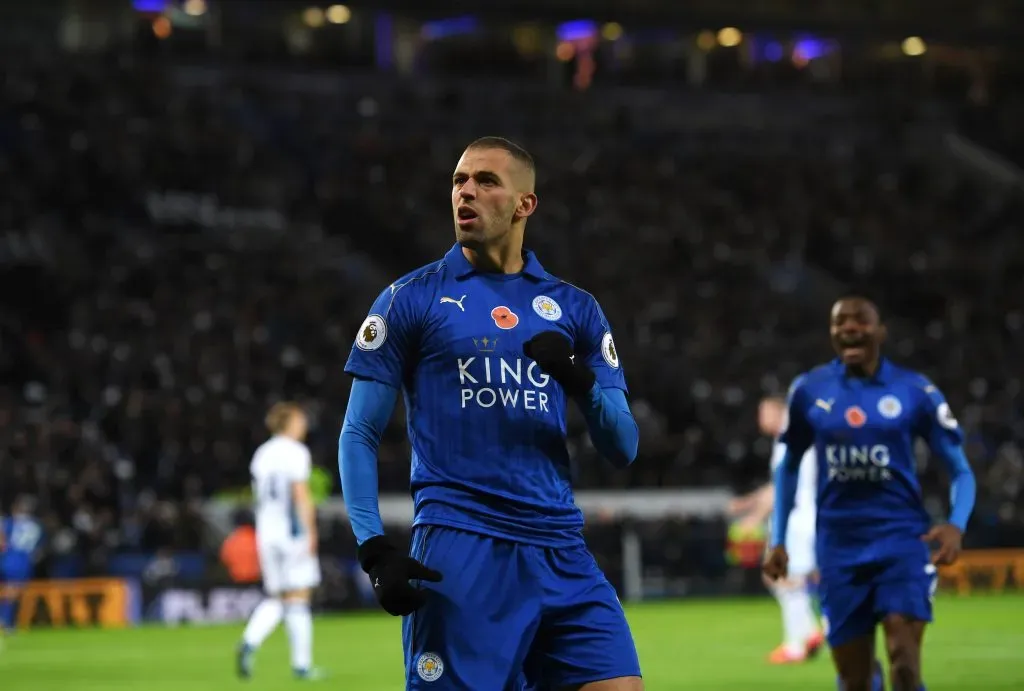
{"type": "Point", "coordinates": [185, 245]}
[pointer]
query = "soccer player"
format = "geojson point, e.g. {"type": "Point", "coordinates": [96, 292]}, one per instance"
{"type": "Point", "coordinates": [802, 638]}
{"type": "Point", "coordinates": [862, 413]}
{"type": "Point", "coordinates": [22, 536]}
{"type": "Point", "coordinates": [286, 539]}
{"type": "Point", "coordinates": [490, 350]}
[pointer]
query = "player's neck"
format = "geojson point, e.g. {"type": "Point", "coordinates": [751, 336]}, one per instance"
{"type": "Point", "coordinates": [503, 259]}
{"type": "Point", "coordinates": [865, 371]}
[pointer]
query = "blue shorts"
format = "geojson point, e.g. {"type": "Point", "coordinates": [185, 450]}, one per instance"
{"type": "Point", "coordinates": [511, 616]}
{"type": "Point", "coordinates": [855, 599]}
{"type": "Point", "coordinates": [15, 573]}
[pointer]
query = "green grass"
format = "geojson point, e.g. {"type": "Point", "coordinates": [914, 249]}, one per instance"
{"type": "Point", "coordinates": [976, 645]}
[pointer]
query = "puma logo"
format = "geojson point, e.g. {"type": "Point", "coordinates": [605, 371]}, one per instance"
{"type": "Point", "coordinates": [455, 302]}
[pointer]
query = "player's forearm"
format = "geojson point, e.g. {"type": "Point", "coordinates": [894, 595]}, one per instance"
{"type": "Point", "coordinates": [357, 459]}
{"type": "Point", "coordinates": [612, 428]}
{"type": "Point", "coordinates": [786, 476]}
{"type": "Point", "coordinates": [369, 409]}
{"type": "Point", "coordinates": [963, 487]}
{"type": "Point", "coordinates": [307, 517]}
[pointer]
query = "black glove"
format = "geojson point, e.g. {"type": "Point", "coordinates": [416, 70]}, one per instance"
{"type": "Point", "coordinates": [390, 572]}
{"type": "Point", "coordinates": [553, 353]}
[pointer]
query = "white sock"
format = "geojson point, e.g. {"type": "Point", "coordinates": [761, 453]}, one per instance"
{"type": "Point", "coordinates": [797, 617]}
{"type": "Point", "coordinates": [299, 622]}
{"type": "Point", "coordinates": [263, 621]}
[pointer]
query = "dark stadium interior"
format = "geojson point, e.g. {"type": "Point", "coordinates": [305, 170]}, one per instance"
{"type": "Point", "coordinates": [194, 229]}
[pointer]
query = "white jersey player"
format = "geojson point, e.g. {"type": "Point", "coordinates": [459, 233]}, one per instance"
{"type": "Point", "coordinates": [286, 539]}
{"type": "Point", "coordinates": [802, 635]}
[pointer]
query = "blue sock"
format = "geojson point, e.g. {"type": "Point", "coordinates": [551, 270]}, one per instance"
{"type": "Point", "coordinates": [878, 680]}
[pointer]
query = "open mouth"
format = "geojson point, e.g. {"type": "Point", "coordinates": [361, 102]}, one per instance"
{"type": "Point", "coordinates": [465, 215]}
{"type": "Point", "coordinates": [853, 345]}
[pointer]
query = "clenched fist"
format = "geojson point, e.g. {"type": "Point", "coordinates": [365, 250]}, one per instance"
{"type": "Point", "coordinates": [776, 563]}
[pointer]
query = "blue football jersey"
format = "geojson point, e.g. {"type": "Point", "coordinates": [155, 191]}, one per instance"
{"type": "Point", "coordinates": [870, 506]}
{"type": "Point", "coordinates": [23, 536]}
{"type": "Point", "coordinates": [486, 425]}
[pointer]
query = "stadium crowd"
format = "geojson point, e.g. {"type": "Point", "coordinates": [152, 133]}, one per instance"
{"type": "Point", "coordinates": [184, 246]}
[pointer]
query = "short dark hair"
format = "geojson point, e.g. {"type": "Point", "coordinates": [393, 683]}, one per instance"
{"type": "Point", "coordinates": [514, 150]}
{"type": "Point", "coordinates": [862, 297]}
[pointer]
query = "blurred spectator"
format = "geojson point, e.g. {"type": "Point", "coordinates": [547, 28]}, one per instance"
{"type": "Point", "coordinates": [238, 553]}
{"type": "Point", "coordinates": [161, 570]}
{"type": "Point", "coordinates": [184, 246]}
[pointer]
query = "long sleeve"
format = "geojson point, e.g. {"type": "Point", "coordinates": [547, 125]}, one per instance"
{"type": "Point", "coordinates": [963, 486]}
{"type": "Point", "coordinates": [612, 428]}
{"type": "Point", "coordinates": [796, 437]}
{"type": "Point", "coordinates": [370, 406]}
{"type": "Point", "coordinates": [786, 477]}
{"type": "Point", "coordinates": [940, 428]}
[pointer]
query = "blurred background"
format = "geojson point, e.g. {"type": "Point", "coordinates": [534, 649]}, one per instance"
{"type": "Point", "coordinates": [200, 199]}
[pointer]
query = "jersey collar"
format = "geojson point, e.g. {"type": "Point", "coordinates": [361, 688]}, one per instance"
{"type": "Point", "coordinates": [883, 375]}
{"type": "Point", "coordinates": [462, 268]}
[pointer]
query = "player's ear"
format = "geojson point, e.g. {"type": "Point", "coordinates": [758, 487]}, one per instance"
{"type": "Point", "coordinates": [883, 333]}
{"type": "Point", "coordinates": [527, 205]}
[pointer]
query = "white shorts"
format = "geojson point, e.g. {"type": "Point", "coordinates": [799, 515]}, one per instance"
{"type": "Point", "coordinates": [288, 566]}
{"type": "Point", "coordinates": [800, 546]}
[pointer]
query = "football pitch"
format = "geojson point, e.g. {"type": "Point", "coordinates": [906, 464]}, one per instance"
{"type": "Point", "coordinates": [977, 644]}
